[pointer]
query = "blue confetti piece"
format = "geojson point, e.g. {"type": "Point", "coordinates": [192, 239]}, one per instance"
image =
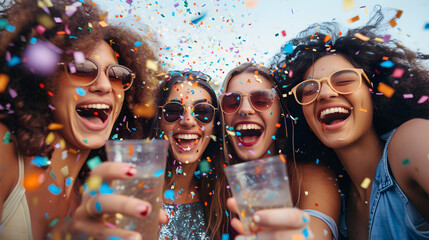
{"type": "Point", "coordinates": [114, 238]}
{"type": "Point", "coordinates": [237, 187]}
{"type": "Point", "coordinates": [317, 161]}
{"type": "Point", "coordinates": [169, 194]}
{"type": "Point", "coordinates": [198, 19]}
{"type": "Point", "coordinates": [54, 189]}
{"type": "Point", "coordinates": [288, 48]}
{"type": "Point", "coordinates": [269, 152]}
{"type": "Point", "coordinates": [80, 91]}
{"type": "Point", "coordinates": [98, 206]}
{"type": "Point", "coordinates": [227, 214]}
{"type": "Point", "coordinates": [68, 181]}
{"type": "Point", "coordinates": [273, 137]}
{"type": "Point", "coordinates": [304, 219]}
{"type": "Point", "coordinates": [305, 232]}
{"type": "Point", "coordinates": [14, 60]}
{"type": "Point", "coordinates": [427, 26]}
{"type": "Point", "coordinates": [105, 189]}
{"type": "Point", "coordinates": [46, 215]}
{"type": "Point", "coordinates": [158, 173]}
{"type": "Point", "coordinates": [85, 141]}
{"type": "Point", "coordinates": [225, 236]}
{"type": "Point", "coordinates": [238, 133]}
{"type": "Point", "coordinates": [33, 40]}
{"type": "Point", "coordinates": [137, 44]}
{"type": "Point", "coordinates": [40, 161]}
{"type": "Point", "coordinates": [10, 28]}
{"type": "Point", "coordinates": [387, 64]}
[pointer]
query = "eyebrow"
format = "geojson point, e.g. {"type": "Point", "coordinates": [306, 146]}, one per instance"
{"type": "Point", "coordinates": [194, 103]}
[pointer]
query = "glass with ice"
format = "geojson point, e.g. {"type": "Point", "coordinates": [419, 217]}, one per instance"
{"type": "Point", "coordinates": [149, 158]}
{"type": "Point", "coordinates": [257, 185]}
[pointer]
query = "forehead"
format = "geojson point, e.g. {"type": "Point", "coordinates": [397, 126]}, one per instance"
{"type": "Point", "coordinates": [103, 54]}
{"type": "Point", "coordinates": [246, 82]}
{"type": "Point", "coordinates": [188, 93]}
{"type": "Point", "coordinates": [326, 65]}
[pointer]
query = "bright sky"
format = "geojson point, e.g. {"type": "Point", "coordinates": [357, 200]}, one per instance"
{"type": "Point", "coordinates": [234, 31]}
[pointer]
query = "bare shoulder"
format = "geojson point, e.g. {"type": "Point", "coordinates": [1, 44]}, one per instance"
{"type": "Point", "coordinates": [8, 163]}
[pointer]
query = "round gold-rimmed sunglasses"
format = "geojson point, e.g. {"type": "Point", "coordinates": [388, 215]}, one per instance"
{"type": "Point", "coordinates": [87, 72]}
{"type": "Point", "coordinates": [260, 100]}
{"type": "Point", "coordinates": [344, 81]}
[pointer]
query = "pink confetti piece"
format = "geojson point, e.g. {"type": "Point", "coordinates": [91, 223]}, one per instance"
{"type": "Point", "coordinates": [79, 57]}
{"type": "Point", "coordinates": [423, 99]}
{"type": "Point", "coordinates": [13, 93]}
{"type": "Point", "coordinates": [408, 95]}
{"type": "Point", "coordinates": [398, 73]}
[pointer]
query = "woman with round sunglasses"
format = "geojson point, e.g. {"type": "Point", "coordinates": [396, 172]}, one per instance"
{"type": "Point", "coordinates": [195, 187]}
{"type": "Point", "coordinates": [255, 127]}
{"type": "Point", "coordinates": [68, 83]}
{"type": "Point", "coordinates": [364, 103]}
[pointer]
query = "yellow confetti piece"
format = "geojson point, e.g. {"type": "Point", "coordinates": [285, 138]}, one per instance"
{"type": "Point", "coordinates": [90, 25]}
{"type": "Point", "coordinates": [213, 137]}
{"type": "Point", "coordinates": [353, 19]}
{"type": "Point", "coordinates": [119, 216]}
{"type": "Point", "coordinates": [230, 132]}
{"type": "Point", "coordinates": [4, 80]}
{"type": "Point", "coordinates": [165, 137]}
{"type": "Point", "coordinates": [387, 90]}
{"type": "Point", "coordinates": [94, 182]}
{"type": "Point", "coordinates": [365, 183]}
{"type": "Point", "coordinates": [362, 37]}
{"type": "Point", "coordinates": [65, 171]}
{"type": "Point", "coordinates": [243, 214]}
{"type": "Point", "coordinates": [62, 144]}
{"type": "Point", "coordinates": [46, 21]}
{"type": "Point", "coordinates": [152, 65]}
{"type": "Point", "coordinates": [380, 40]}
{"type": "Point", "coordinates": [363, 110]}
{"type": "Point", "coordinates": [55, 126]}
{"type": "Point", "coordinates": [50, 138]}
{"type": "Point", "coordinates": [35, 200]}
{"type": "Point", "coordinates": [103, 23]}
{"type": "Point", "coordinates": [348, 4]}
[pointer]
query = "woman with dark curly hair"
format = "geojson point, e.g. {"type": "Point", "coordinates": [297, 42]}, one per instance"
{"type": "Point", "coordinates": [67, 80]}
{"type": "Point", "coordinates": [195, 184]}
{"type": "Point", "coordinates": [363, 100]}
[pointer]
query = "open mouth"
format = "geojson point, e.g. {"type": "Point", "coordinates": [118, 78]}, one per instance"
{"type": "Point", "coordinates": [94, 113]}
{"type": "Point", "coordinates": [334, 115]}
{"type": "Point", "coordinates": [187, 141]}
{"type": "Point", "coordinates": [249, 133]}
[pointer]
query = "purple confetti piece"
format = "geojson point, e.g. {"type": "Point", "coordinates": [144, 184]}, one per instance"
{"type": "Point", "coordinates": [408, 96]}
{"type": "Point", "coordinates": [386, 38]}
{"type": "Point", "coordinates": [176, 5]}
{"type": "Point", "coordinates": [13, 93]}
{"type": "Point", "coordinates": [41, 58]}
{"type": "Point", "coordinates": [129, 1]}
{"type": "Point", "coordinates": [79, 57]}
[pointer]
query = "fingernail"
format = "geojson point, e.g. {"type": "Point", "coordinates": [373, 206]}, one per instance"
{"type": "Point", "coordinates": [131, 171]}
{"type": "Point", "coordinates": [134, 237]}
{"type": "Point", "coordinates": [256, 218]}
{"type": "Point", "coordinates": [240, 238]}
{"type": "Point", "coordinates": [142, 209]}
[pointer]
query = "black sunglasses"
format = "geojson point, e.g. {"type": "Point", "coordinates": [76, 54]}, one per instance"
{"type": "Point", "coordinates": [173, 111]}
{"type": "Point", "coordinates": [87, 72]}
{"type": "Point", "coordinates": [192, 75]}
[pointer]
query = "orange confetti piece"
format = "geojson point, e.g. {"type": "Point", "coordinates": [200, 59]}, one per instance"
{"type": "Point", "coordinates": [141, 184]}
{"type": "Point", "coordinates": [399, 13]}
{"type": "Point", "coordinates": [33, 180]}
{"type": "Point", "coordinates": [278, 125]}
{"type": "Point", "coordinates": [353, 19]}
{"type": "Point", "coordinates": [363, 110]}
{"type": "Point", "coordinates": [144, 110]}
{"type": "Point", "coordinates": [130, 150]}
{"type": "Point", "coordinates": [282, 157]}
{"type": "Point", "coordinates": [55, 126]}
{"type": "Point", "coordinates": [362, 37]}
{"type": "Point", "coordinates": [251, 3]}
{"type": "Point", "coordinates": [298, 237]}
{"type": "Point", "coordinates": [103, 23]}
{"type": "Point", "coordinates": [327, 38]}
{"type": "Point", "coordinates": [393, 23]}
{"type": "Point", "coordinates": [386, 90]}
{"type": "Point", "coordinates": [4, 80]}
{"type": "Point", "coordinates": [150, 35]}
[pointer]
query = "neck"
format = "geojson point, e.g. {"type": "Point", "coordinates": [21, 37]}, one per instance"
{"type": "Point", "coordinates": [360, 160]}
{"type": "Point", "coordinates": [184, 183]}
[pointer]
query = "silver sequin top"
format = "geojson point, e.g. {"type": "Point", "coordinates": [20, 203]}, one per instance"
{"type": "Point", "coordinates": [186, 222]}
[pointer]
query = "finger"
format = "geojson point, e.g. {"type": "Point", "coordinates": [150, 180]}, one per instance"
{"type": "Point", "coordinates": [99, 230]}
{"type": "Point", "coordinates": [281, 218]}
{"type": "Point", "coordinates": [112, 204]}
{"type": "Point", "coordinates": [109, 171]}
{"type": "Point", "coordinates": [163, 217]}
{"type": "Point", "coordinates": [237, 225]}
{"type": "Point", "coordinates": [232, 205]}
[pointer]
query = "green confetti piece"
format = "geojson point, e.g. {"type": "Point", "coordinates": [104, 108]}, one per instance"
{"type": "Point", "coordinates": [93, 162]}
{"type": "Point", "coordinates": [406, 162]}
{"type": "Point", "coordinates": [204, 166]}
{"type": "Point", "coordinates": [6, 138]}
{"type": "Point", "coordinates": [53, 222]}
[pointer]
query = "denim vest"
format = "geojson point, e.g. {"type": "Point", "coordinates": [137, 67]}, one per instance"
{"type": "Point", "coordinates": [391, 215]}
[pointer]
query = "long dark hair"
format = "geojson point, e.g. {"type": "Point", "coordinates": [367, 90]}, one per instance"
{"type": "Point", "coordinates": [212, 186]}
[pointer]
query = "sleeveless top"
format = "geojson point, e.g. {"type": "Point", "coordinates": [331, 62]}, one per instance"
{"type": "Point", "coordinates": [391, 215]}
{"type": "Point", "coordinates": [15, 221]}
{"type": "Point", "coordinates": [187, 221]}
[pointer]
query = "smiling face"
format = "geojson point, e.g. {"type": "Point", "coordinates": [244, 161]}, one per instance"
{"type": "Point", "coordinates": [338, 119]}
{"type": "Point", "coordinates": [255, 128]}
{"type": "Point", "coordinates": [188, 136]}
{"type": "Point", "coordinates": [88, 112]}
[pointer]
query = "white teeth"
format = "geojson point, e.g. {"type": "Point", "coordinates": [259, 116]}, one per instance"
{"type": "Point", "coordinates": [333, 110]}
{"type": "Point", "coordinates": [187, 136]}
{"type": "Point", "coordinates": [95, 106]}
{"type": "Point", "coordinates": [247, 127]}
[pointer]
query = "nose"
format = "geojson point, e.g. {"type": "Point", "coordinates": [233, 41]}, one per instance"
{"type": "Point", "coordinates": [326, 92]}
{"type": "Point", "coordinates": [245, 107]}
{"type": "Point", "coordinates": [102, 84]}
{"type": "Point", "coordinates": [188, 118]}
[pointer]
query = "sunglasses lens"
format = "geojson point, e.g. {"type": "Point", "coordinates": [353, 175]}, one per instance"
{"type": "Point", "coordinates": [204, 112]}
{"type": "Point", "coordinates": [230, 102]}
{"type": "Point", "coordinates": [262, 99]}
{"type": "Point", "coordinates": [172, 111]}
{"type": "Point", "coordinates": [345, 81]}
{"type": "Point", "coordinates": [82, 73]}
{"type": "Point", "coordinates": [307, 91]}
{"type": "Point", "coordinates": [120, 77]}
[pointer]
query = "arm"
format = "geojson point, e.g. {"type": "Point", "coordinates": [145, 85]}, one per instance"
{"type": "Point", "coordinates": [319, 191]}
{"type": "Point", "coordinates": [8, 166]}
{"type": "Point", "coordinates": [408, 155]}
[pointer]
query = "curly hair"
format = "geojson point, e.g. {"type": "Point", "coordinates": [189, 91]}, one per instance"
{"type": "Point", "coordinates": [26, 105]}
{"type": "Point", "coordinates": [212, 186]}
{"type": "Point", "coordinates": [365, 49]}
